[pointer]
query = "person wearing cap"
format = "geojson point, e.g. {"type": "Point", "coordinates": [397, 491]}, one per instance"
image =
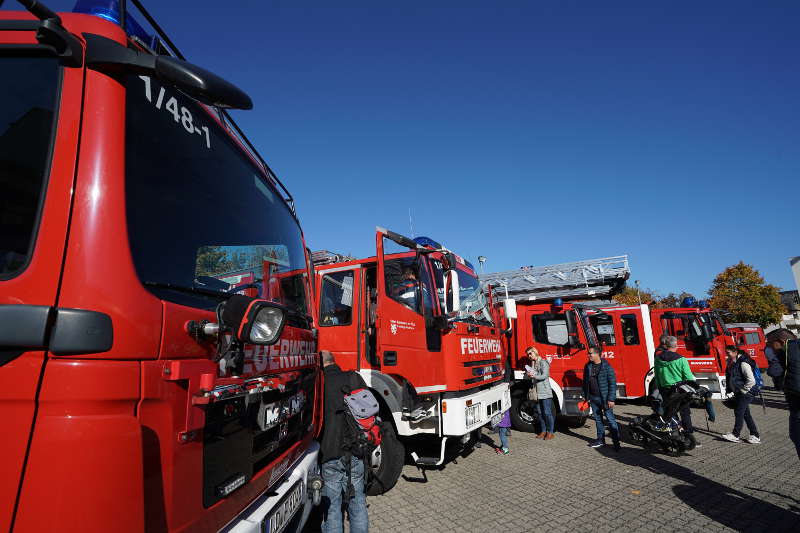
{"type": "Point", "coordinates": [600, 389]}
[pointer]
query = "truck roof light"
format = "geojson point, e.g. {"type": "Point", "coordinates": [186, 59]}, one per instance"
{"type": "Point", "coordinates": [689, 301]}
{"type": "Point", "coordinates": [427, 241]}
{"type": "Point", "coordinates": [109, 10]}
{"type": "Point", "coordinates": [558, 302]}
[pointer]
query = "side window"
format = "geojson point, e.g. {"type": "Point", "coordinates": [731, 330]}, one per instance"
{"type": "Point", "coordinates": [630, 329]}
{"type": "Point", "coordinates": [402, 282]}
{"type": "Point", "coordinates": [336, 299]}
{"type": "Point", "coordinates": [752, 338]}
{"type": "Point", "coordinates": [604, 326]}
{"type": "Point", "coordinates": [550, 329]}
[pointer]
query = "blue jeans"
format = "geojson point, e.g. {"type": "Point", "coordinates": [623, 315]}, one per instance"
{"type": "Point", "coordinates": [334, 474]}
{"type": "Point", "coordinates": [546, 417]}
{"type": "Point", "coordinates": [712, 415]}
{"type": "Point", "coordinates": [599, 408]}
{"type": "Point", "coordinates": [503, 437]}
{"type": "Point", "coordinates": [742, 414]}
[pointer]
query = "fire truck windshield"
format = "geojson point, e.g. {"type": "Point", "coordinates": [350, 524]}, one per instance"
{"type": "Point", "coordinates": [186, 176]}
{"type": "Point", "coordinates": [27, 107]}
{"type": "Point", "coordinates": [474, 305]}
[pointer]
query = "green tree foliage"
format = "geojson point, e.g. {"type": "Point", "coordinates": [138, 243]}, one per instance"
{"type": "Point", "coordinates": [212, 260]}
{"type": "Point", "coordinates": [741, 291]}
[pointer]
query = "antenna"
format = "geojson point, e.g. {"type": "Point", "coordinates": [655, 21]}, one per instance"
{"type": "Point", "coordinates": [411, 223]}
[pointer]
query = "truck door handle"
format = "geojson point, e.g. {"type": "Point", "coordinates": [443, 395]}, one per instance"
{"type": "Point", "coordinates": [390, 358]}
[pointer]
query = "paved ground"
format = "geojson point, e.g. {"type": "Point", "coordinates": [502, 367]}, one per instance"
{"type": "Point", "coordinates": [563, 485]}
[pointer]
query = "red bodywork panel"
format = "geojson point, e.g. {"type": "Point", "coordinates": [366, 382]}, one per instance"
{"type": "Point", "coordinates": [751, 339]}
{"type": "Point", "coordinates": [113, 440]}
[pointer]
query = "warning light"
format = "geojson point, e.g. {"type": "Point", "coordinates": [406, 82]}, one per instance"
{"type": "Point", "coordinates": [109, 10]}
{"type": "Point", "coordinates": [558, 302]}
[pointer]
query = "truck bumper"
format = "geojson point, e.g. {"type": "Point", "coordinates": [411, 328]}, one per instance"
{"type": "Point", "coordinates": [249, 521]}
{"type": "Point", "coordinates": [463, 412]}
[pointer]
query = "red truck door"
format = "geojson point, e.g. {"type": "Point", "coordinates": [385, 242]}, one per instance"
{"type": "Point", "coordinates": [621, 333]}
{"type": "Point", "coordinates": [406, 335]}
{"type": "Point", "coordinates": [41, 101]}
{"type": "Point", "coordinates": [557, 334]}
{"type": "Point", "coordinates": [338, 296]}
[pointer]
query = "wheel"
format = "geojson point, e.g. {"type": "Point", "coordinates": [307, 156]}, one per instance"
{"type": "Point", "coordinates": [524, 416]}
{"type": "Point", "coordinates": [633, 436]}
{"type": "Point", "coordinates": [387, 462]}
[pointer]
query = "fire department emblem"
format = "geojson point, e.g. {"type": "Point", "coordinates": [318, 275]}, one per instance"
{"type": "Point", "coordinates": [393, 327]}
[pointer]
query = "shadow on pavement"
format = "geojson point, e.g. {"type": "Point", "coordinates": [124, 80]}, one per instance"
{"type": "Point", "coordinates": [722, 504]}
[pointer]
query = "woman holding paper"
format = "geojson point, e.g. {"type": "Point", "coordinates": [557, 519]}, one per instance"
{"type": "Point", "coordinates": [539, 373]}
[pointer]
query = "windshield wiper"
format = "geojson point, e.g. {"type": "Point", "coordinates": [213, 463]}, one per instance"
{"type": "Point", "coordinates": [189, 290]}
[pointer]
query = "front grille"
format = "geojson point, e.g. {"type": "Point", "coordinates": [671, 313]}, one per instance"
{"type": "Point", "coordinates": [245, 434]}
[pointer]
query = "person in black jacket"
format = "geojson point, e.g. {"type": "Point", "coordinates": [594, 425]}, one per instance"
{"type": "Point", "coordinates": [791, 388]}
{"type": "Point", "coordinates": [334, 456]}
{"type": "Point", "coordinates": [600, 389]}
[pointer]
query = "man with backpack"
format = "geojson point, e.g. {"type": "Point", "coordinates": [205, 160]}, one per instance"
{"type": "Point", "coordinates": [741, 384]}
{"type": "Point", "coordinates": [342, 471]}
{"type": "Point", "coordinates": [671, 370]}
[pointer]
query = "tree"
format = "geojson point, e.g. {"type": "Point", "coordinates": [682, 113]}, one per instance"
{"type": "Point", "coordinates": [741, 291]}
{"type": "Point", "coordinates": [630, 296]}
{"type": "Point", "coordinates": [211, 261]}
{"type": "Point", "coordinates": [673, 300]}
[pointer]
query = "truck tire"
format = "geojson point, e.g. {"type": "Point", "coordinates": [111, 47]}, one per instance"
{"type": "Point", "coordinates": [524, 416]}
{"type": "Point", "coordinates": [392, 460]}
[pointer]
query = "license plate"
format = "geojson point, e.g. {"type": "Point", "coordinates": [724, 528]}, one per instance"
{"type": "Point", "coordinates": [278, 518]}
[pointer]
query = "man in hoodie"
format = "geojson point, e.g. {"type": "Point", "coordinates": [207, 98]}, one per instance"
{"type": "Point", "coordinates": [671, 369]}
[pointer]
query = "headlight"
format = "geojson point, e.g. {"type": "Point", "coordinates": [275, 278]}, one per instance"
{"type": "Point", "coordinates": [266, 325]}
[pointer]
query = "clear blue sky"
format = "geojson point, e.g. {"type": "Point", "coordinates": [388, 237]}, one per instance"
{"type": "Point", "coordinates": [528, 132]}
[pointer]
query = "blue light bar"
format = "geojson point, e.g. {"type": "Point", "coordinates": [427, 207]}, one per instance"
{"type": "Point", "coordinates": [689, 301]}
{"type": "Point", "coordinates": [702, 304]}
{"type": "Point", "coordinates": [427, 241]}
{"type": "Point", "coordinates": [109, 10]}
{"type": "Point", "coordinates": [558, 302]}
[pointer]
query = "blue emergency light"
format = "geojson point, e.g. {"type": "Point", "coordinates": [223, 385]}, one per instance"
{"type": "Point", "coordinates": [427, 241]}
{"type": "Point", "coordinates": [558, 302]}
{"type": "Point", "coordinates": [109, 10]}
{"type": "Point", "coordinates": [703, 304]}
{"type": "Point", "coordinates": [689, 301]}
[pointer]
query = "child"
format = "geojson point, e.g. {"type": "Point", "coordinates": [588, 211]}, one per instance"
{"type": "Point", "coordinates": [504, 428]}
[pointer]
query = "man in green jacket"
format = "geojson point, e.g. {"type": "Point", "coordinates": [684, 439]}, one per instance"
{"type": "Point", "coordinates": [672, 368]}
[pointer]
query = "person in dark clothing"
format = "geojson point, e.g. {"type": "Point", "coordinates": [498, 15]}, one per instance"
{"type": "Point", "coordinates": [334, 457]}
{"type": "Point", "coordinates": [791, 388]}
{"type": "Point", "coordinates": [600, 389]}
{"type": "Point", "coordinates": [739, 382]}
{"type": "Point", "coordinates": [776, 355]}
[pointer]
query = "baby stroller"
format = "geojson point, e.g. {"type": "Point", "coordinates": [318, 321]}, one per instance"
{"type": "Point", "coordinates": [663, 427]}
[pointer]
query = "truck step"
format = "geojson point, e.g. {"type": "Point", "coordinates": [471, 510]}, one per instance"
{"type": "Point", "coordinates": [425, 461]}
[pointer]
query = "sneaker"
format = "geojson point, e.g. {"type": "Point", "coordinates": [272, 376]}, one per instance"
{"type": "Point", "coordinates": [752, 439]}
{"type": "Point", "coordinates": [506, 451]}
{"type": "Point", "coordinates": [731, 437]}
{"type": "Point", "coordinates": [596, 444]}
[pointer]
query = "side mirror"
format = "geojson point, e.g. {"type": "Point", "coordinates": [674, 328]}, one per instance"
{"type": "Point", "coordinates": [452, 300]}
{"type": "Point", "coordinates": [510, 308]}
{"type": "Point", "coordinates": [253, 321]}
{"type": "Point", "coordinates": [105, 54]}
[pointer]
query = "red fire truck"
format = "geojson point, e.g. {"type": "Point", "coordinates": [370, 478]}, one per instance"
{"type": "Point", "coordinates": [750, 338]}
{"type": "Point", "coordinates": [627, 335]}
{"type": "Point", "coordinates": [139, 391]}
{"type": "Point", "coordinates": [414, 322]}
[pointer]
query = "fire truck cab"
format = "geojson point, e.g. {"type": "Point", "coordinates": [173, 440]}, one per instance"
{"type": "Point", "coordinates": [141, 391]}
{"type": "Point", "coordinates": [702, 337]}
{"type": "Point", "coordinates": [750, 338]}
{"type": "Point", "coordinates": [414, 322]}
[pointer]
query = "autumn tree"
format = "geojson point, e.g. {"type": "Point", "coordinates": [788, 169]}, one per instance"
{"type": "Point", "coordinates": [741, 291]}
{"type": "Point", "coordinates": [212, 260]}
{"type": "Point", "coordinates": [673, 300]}
{"type": "Point", "coordinates": [630, 296]}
